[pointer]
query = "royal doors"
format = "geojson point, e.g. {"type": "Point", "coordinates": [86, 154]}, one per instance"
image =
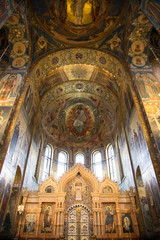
{"type": "Point", "coordinates": [78, 223]}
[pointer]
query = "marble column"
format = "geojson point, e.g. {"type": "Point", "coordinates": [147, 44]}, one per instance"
{"type": "Point", "coordinates": [118, 219]}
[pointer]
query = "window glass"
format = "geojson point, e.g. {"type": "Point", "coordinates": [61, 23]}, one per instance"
{"type": "Point", "coordinates": [62, 163]}
{"type": "Point", "coordinates": [47, 162]}
{"type": "Point", "coordinates": [79, 158]}
{"type": "Point", "coordinates": [111, 163]}
{"type": "Point", "coordinates": [97, 164]}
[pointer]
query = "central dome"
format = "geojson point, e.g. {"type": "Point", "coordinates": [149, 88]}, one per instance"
{"type": "Point", "coordinates": [78, 21]}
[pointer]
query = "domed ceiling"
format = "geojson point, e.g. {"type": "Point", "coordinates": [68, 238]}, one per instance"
{"type": "Point", "coordinates": [79, 112]}
{"type": "Point", "coordinates": [79, 90]}
{"type": "Point", "coordinates": [78, 21]}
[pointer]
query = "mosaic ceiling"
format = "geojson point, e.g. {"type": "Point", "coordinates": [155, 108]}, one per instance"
{"type": "Point", "coordinates": [79, 21]}
{"type": "Point", "coordinates": [78, 95]}
{"type": "Point", "coordinates": [79, 112]}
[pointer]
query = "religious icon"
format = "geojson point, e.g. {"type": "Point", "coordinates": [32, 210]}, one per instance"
{"type": "Point", "coordinates": [47, 219]}
{"type": "Point", "coordinates": [127, 223]}
{"type": "Point", "coordinates": [18, 62]}
{"type": "Point", "coordinates": [80, 120]}
{"type": "Point", "coordinates": [14, 139]}
{"type": "Point", "coordinates": [81, 12]}
{"type": "Point", "coordinates": [28, 100]}
{"type": "Point", "coordinates": [30, 220]}
{"type": "Point", "coordinates": [9, 86]}
{"type": "Point", "coordinates": [137, 47]}
{"type": "Point", "coordinates": [138, 61]}
{"type": "Point", "coordinates": [109, 219]}
{"type": "Point", "coordinates": [19, 48]}
{"type": "Point", "coordinates": [4, 115]}
{"type": "Point", "coordinates": [77, 7]}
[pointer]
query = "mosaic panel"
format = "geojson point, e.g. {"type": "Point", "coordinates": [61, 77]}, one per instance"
{"type": "Point", "coordinates": [29, 225]}
{"type": "Point", "coordinates": [127, 224]}
{"type": "Point", "coordinates": [78, 72]}
{"type": "Point", "coordinates": [109, 218]}
{"type": "Point", "coordinates": [47, 219]}
{"type": "Point", "coordinates": [76, 22]}
{"type": "Point", "coordinates": [68, 118]}
{"type": "Point", "coordinates": [111, 65]}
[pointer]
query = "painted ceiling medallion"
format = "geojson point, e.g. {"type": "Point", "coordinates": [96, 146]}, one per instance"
{"type": "Point", "coordinates": [79, 119]}
{"type": "Point", "coordinates": [78, 21]}
{"type": "Point", "coordinates": [79, 112]}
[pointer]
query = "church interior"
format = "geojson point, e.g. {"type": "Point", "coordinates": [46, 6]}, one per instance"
{"type": "Point", "coordinates": [79, 119]}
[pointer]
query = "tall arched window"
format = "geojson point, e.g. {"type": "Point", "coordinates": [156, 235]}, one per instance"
{"type": "Point", "coordinates": [111, 163]}
{"type": "Point", "coordinates": [62, 163]}
{"type": "Point", "coordinates": [97, 164]}
{"type": "Point", "coordinates": [47, 162]}
{"type": "Point", "coordinates": [79, 158]}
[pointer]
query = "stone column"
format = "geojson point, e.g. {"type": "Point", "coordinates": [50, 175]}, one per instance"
{"type": "Point", "coordinates": [95, 224]}
{"type": "Point", "coordinates": [103, 223]}
{"type": "Point", "coordinates": [98, 222]}
{"type": "Point", "coordinates": [37, 230]}
{"type": "Point", "coordinates": [25, 196]}
{"type": "Point", "coordinates": [134, 212]}
{"type": "Point", "coordinates": [62, 223]}
{"type": "Point", "coordinates": [118, 219]}
{"type": "Point", "coordinates": [65, 215]}
{"type": "Point", "coordinates": [101, 226]}
{"type": "Point", "coordinates": [57, 223]}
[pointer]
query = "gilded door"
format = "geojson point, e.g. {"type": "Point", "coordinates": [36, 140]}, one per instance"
{"type": "Point", "coordinates": [78, 224]}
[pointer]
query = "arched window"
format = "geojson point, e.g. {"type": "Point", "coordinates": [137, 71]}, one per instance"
{"type": "Point", "coordinates": [111, 162]}
{"type": "Point", "coordinates": [79, 158]}
{"type": "Point", "coordinates": [97, 164]}
{"type": "Point", "coordinates": [62, 163]}
{"type": "Point", "coordinates": [47, 162]}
